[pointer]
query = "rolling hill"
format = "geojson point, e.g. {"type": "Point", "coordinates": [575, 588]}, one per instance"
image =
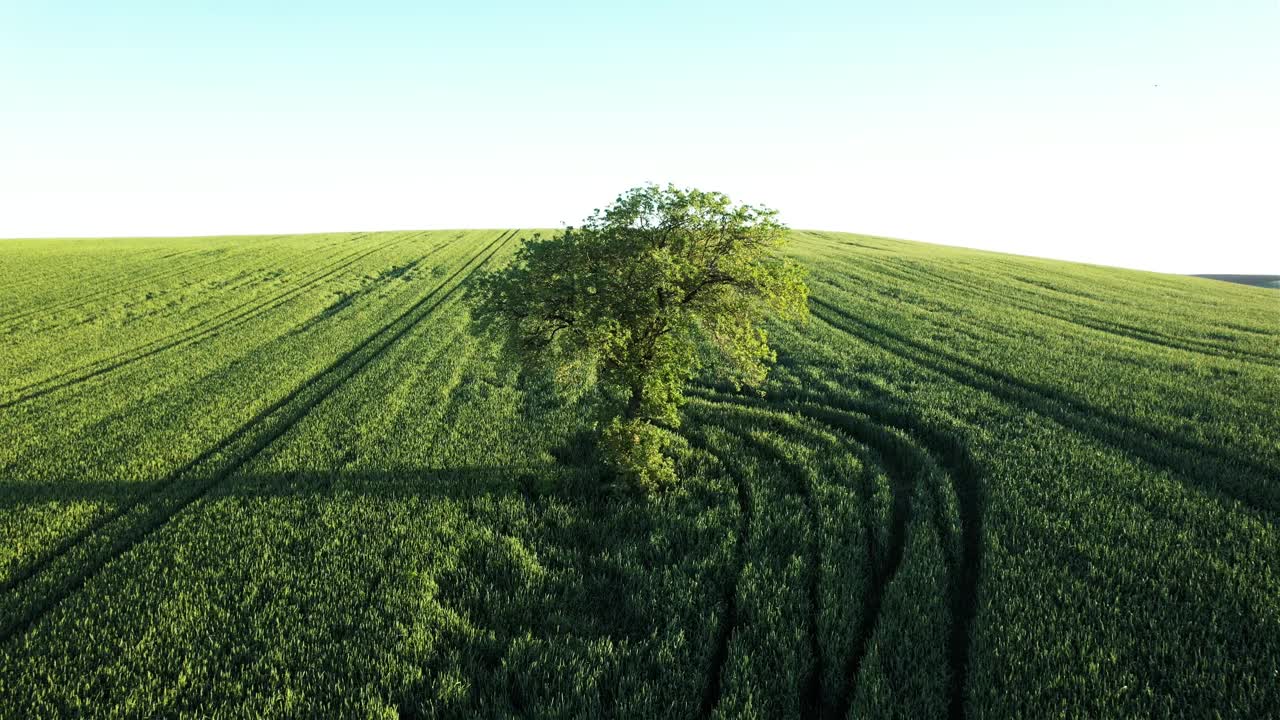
{"type": "Point", "coordinates": [280, 477]}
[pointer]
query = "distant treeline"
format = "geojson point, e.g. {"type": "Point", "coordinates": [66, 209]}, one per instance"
{"type": "Point", "coordinates": [1266, 281]}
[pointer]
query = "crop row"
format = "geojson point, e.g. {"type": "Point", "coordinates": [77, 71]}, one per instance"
{"type": "Point", "coordinates": [960, 493]}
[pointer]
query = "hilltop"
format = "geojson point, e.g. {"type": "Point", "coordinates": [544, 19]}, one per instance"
{"type": "Point", "coordinates": [279, 476]}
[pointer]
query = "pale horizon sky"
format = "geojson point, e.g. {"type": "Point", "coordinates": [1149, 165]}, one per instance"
{"type": "Point", "coordinates": [1139, 134]}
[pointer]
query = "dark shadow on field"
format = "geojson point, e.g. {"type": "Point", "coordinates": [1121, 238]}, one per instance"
{"type": "Point", "coordinates": [551, 565]}
{"type": "Point", "coordinates": [15, 494]}
{"type": "Point", "coordinates": [111, 534]}
{"type": "Point", "coordinates": [151, 501]}
{"type": "Point", "coordinates": [388, 484]}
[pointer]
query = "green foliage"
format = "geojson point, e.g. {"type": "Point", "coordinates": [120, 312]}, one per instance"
{"type": "Point", "coordinates": [634, 295]}
{"type": "Point", "coordinates": [283, 478]}
{"type": "Point", "coordinates": [633, 446]}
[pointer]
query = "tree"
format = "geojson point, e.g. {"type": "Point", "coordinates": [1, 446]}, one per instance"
{"type": "Point", "coordinates": [660, 284]}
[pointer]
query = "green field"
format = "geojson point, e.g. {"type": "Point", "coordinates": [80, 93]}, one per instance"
{"type": "Point", "coordinates": [280, 477]}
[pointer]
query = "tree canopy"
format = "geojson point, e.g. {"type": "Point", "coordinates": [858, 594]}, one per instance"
{"type": "Point", "coordinates": [662, 283]}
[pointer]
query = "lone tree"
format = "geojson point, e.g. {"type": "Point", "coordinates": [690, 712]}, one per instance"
{"type": "Point", "coordinates": [660, 284]}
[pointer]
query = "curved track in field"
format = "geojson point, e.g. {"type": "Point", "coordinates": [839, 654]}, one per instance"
{"type": "Point", "coordinates": [1236, 476]}
{"type": "Point", "coordinates": [829, 547]}
{"type": "Point", "coordinates": [729, 615]}
{"type": "Point", "coordinates": [910, 455]}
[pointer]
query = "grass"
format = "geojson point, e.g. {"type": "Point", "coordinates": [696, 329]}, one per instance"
{"type": "Point", "coordinates": [279, 477]}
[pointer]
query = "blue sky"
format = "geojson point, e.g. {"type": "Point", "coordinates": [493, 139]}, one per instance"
{"type": "Point", "coordinates": [1142, 134]}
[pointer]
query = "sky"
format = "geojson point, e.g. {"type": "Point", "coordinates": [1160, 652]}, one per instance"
{"type": "Point", "coordinates": [1136, 133]}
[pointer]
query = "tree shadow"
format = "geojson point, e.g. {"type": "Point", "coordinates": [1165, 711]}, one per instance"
{"type": "Point", "coordinates": [544, 573]}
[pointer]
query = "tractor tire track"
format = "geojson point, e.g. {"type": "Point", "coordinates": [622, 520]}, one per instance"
{"type": "Point", "coordinates": [54, 379]}
{"type": "Point", "coordinates": [729, 618]}
{"type": "Point", "coordinates": [1200, 465]}
{"type": "Point", "coordinates": [41, 279]}
{"type": "Point", "coordinates": [948, 458]}
{"type": "Point", "coordinates": [910, 455]}
{"type": "Point", "coordinates": [915, 273]}
{"type": "Point", "coordinates": [883, 573]}
{"type": "Point", "coordinates": [812, 697]}
{"type": "Point", "coordinates": [46, 583]}
{"type": "Point", "coordinates": [131, 282]}
{"type": "Point", "coordinates": [80, 278]}
{"type": "Point", "coordinates": [834, 702]}
{"type": "Point", "coordinates": [222, 321]}
{"type": "Point", "coordinates": [1235, 477]}
{"type": "Point", "coordinates": [260, 418]}
{"type": "Point", "coordinates": [128, 282]}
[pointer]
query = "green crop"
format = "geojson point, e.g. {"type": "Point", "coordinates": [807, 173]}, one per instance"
{"type": "Point", "coordinates": [281, 477]}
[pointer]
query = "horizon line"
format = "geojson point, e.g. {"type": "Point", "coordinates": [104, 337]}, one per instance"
{"type": "Point", "coordinates": [209, 236]}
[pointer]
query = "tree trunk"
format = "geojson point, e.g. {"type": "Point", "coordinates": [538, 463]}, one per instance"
{"type": "Point", "coordinates": [633, 405]}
